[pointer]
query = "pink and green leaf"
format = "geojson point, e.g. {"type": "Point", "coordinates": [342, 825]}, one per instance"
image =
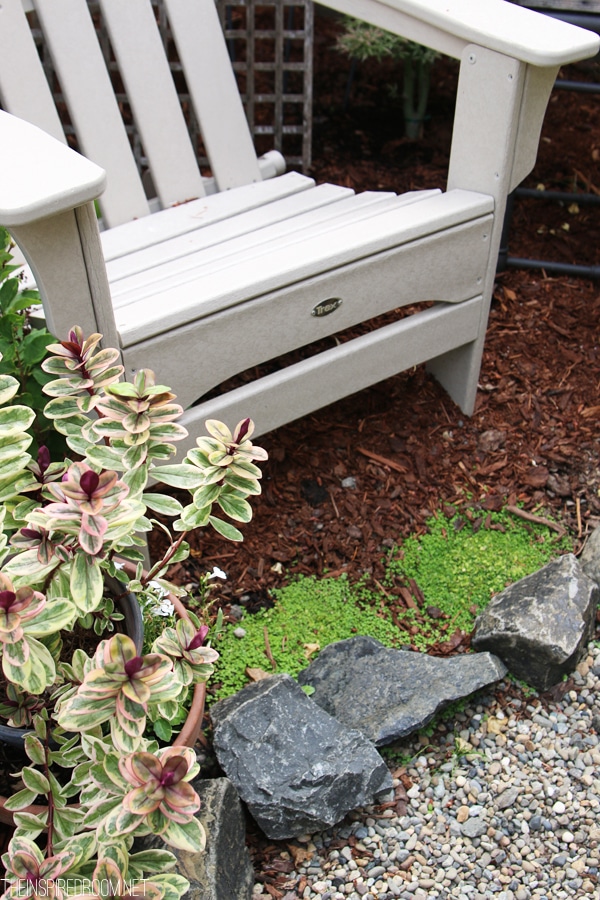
{"type": "Point", "coordinates": [20, 800]}
{"type": "Point", "coordinates": [68, 385]}
{"type": "Point", "coordinates": [34, 780]}
{"type": "Point", "coordinates": [179, 475]}
{"type": "Point", "coordinates": [194, 518]}
{"type": "Point", "coordinates": [226, 529]}
{"type": "Point", "coordinates": [235, 507]}
{"type": "Point", "coordinates": [140, 803]}
{"type": "Point", "coordinates": [53, 617]}
{"type": "Point", "coordinates": [92, 532]}
{"type": "Point", "coordinates": [86, 583]}
{"type": "Point", "coordinates": [119, 821]}
{"type": "Point", "coordinates": [14, 420]}
{"type": "Point", "coordinates": [189, 836]}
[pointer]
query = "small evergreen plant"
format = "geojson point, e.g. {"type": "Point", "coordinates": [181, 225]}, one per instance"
{"type": "Point", "coordinates": [66, 526]}
{"type": "Point", "coordinates": [361, 42]}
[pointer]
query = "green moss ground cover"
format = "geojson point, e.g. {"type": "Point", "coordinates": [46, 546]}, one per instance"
{"type": "Point", "coordinates": [461, 562]}
{"type": "Point", "coordinates": [309, 613]}
{"type": "Point", "coordinates": [458, 565]}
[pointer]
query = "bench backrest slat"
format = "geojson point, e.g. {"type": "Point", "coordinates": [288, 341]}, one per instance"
{"type": "Point", "coordinates": [143, 65]}
{"type": "Point", "coordinates": [203, 53]}
{"type": "Point", "coordinates": [110, 84]}
{"type": "Point", "coordinates": [85, 83]}
{"type": "Point", "coordinates": [24, 90]}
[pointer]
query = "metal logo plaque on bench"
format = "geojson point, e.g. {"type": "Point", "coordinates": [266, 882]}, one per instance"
{"type": "Point", "coordinates": [325, 307]}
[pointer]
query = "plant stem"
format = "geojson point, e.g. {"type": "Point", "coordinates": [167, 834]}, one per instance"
{"type": "Point", "coordinates": [50, 839]}
{"type": "Point", "coordinates": [166, 558]}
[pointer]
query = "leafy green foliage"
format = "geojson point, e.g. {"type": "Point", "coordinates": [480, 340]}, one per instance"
{"type": "Point", "coordinates": [70, 523]}
{"type": "Point", "coordinates": [458, 564]}
{"type": "Point", "coordinates": [91, 510]}
{"type": "Point", "coordinates": [23, 346]}
{"type": "Point", "coordinates": [103, 618]}
{"type": "Point", "coordinates": [25, 616]}
{"type": "Point", "coordinates": [361, 42]}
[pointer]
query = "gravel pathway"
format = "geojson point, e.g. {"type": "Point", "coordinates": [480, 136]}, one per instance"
{"type": "Point", "coordinates": [505, 805]}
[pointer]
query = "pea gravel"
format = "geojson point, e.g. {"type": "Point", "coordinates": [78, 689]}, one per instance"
{"type": "Point", "coordinates": [502, 802]}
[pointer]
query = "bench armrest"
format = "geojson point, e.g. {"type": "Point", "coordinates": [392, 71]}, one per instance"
{"type": "Point", "coordinates": [450, 25]}
{"type": "Point", "coordinates": [42, 176]}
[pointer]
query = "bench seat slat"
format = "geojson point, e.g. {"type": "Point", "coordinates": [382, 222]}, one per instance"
{"type": "Point", "coordinates": [279, 321]}
{"type": "Point", "coordinates": [172, 249]}
{"type": "Point", "coordinates": [299, 231]}
{"type": "Point", "coordinates": [186, 218]}
{"type": "Point", "coordinates": [143, 314]}
{"type": "Point", "coordinates": [208, 247]}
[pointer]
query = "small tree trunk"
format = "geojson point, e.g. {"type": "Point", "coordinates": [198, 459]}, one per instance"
{"type": "Point", "coordinates": [415, 96]}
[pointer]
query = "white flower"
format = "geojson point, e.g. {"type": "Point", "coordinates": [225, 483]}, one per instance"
{"type": "Point", "coordinates": [217, 573]}
{"type": "Point", "coordinates": [159, 604]}
{"type": "Point", "coordinates": [164, 608]}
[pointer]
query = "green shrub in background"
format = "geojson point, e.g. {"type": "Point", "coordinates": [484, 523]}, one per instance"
{"type": "Point", "coordinates": [23, 348]}
{"type": "Point", "coordinates": [464, 559]}
{"type": "Point", "coordinates": [361, 41]}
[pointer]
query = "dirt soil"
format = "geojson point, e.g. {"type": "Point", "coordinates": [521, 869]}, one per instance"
{"type": "Point", "coordinates": [533, 439]}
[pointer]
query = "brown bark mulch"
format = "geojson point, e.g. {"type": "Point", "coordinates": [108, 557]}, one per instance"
{"type": "Point", "coordinates": [532, 440]}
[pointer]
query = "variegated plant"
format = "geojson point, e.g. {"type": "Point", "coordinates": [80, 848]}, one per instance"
{"type": "Point", "coordinates": [66, 526]}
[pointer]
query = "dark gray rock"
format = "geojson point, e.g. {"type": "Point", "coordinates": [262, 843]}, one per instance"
{"type": "Point", "coordinates": [223, 869]}
{"type": "Point", "coordinates": [387, 694]}
{"type": "Point", "coordinates": [541, 625]}
{"type": "Point", "coordinates": [590, 558]}
{"type": "Point", "coordinates": [297, 769]}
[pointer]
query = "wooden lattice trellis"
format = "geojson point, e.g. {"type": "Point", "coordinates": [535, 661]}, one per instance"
{"type": "Point", "coordinates": [270, 44]}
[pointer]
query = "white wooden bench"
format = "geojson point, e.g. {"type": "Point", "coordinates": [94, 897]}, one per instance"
{"type": "Point", "coordinates": [240, 267]}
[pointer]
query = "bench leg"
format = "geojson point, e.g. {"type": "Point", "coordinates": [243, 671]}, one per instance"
{"type": "Point", "coordinates": [458, 373]}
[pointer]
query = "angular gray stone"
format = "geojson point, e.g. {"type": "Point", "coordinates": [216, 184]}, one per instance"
{"type": "Point", "coordinates": [474, 828]}
{"type": "Point", "coordinates": [387, 694]}
{"type": "Point", "coordinates": [541, 625]}
{"type": "Point", "coordinates": [508, 798]}
{"type": "Point", "coordinates": [297, 769]}
{"type": "Point", "coordinates": [590, 558]}
{"type": "Point", "coordinates": [223, 869]}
